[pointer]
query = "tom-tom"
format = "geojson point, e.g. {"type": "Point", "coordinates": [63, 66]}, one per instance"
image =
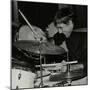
{"type": "Point", "coordinates": [25, 33]}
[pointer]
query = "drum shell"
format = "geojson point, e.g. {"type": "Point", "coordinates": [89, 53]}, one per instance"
{"type": "Point", "coordinates": [26, 80]}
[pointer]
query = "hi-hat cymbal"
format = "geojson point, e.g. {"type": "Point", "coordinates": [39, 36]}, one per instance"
{"type": "Point", "coordinates": [72, 75]}
{"type": "Point", "coordinates": [44, 48]}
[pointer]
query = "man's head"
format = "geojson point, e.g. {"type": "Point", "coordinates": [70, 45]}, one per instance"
{"type": "Point", "coordinates": [63, 21]}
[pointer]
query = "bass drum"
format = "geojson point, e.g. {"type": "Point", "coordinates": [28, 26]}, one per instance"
{"type": "Point", "coordinates": [25, 33]}
{"type": "Point", "coordinates": [22, 78]}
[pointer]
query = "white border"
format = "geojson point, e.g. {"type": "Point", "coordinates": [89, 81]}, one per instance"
{"type": "Point", "coordinates": [61, 1]}
{"type": "Point", "coordinates": [5, 43]}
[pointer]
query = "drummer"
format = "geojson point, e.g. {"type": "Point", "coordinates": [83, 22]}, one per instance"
{"type": "Point", "coordinates": [63, 26]}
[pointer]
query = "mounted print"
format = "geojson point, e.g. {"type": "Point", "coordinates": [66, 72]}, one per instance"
{"type": "Point", "coordinates": [48, 45]}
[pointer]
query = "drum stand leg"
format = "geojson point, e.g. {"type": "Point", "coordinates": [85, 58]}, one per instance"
{"type": "Point", "coordinates": [69, 81]}
{"type": "Point", "coordinates": [41, 70]}
{"type": "Point", "coordinates": [68, 72]}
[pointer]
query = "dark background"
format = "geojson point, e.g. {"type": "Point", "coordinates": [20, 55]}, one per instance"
{"type": "Point", "coordinates": [41, 14]}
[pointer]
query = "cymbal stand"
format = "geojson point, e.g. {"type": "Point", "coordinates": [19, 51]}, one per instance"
{"type": "Point", "coordinates": [41, 65]}
{"type": "Point", "coordinates": [68, 71]}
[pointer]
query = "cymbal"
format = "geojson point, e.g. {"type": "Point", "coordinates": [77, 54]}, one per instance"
{"type": "Point", "coordinates": [48, 48]}
{"type": "Point", "coordinates": [44, 48]}
{"type": "Point", "coordinates": [72, 75]}
{"type": "Point", "coordinates": [32, 46]}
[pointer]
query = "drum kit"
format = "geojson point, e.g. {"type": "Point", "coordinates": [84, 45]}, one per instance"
{"type": "Point", "coordinates": [45, 76]}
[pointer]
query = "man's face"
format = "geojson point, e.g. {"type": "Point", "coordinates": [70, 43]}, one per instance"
{"type": "Point", "coordinates": [65, 28]}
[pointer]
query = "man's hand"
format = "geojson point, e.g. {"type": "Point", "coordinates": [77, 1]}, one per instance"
{"type": "Point", "coordinates": [62, 66]}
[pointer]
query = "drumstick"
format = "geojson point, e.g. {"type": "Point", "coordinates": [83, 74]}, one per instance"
{"type": "Point", "coordinates": [28, 23]}
{"type": "Point", "coordinates": [72, 62]}
{"type": "Point", "coordinates": [60, 64]}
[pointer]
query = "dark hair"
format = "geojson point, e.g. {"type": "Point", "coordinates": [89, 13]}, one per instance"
{"type": "Point", "coordinates": [63, 15]}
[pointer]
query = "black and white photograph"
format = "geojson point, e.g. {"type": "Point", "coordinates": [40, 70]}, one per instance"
{"type": "Point", "coordinates": [48, 45]}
